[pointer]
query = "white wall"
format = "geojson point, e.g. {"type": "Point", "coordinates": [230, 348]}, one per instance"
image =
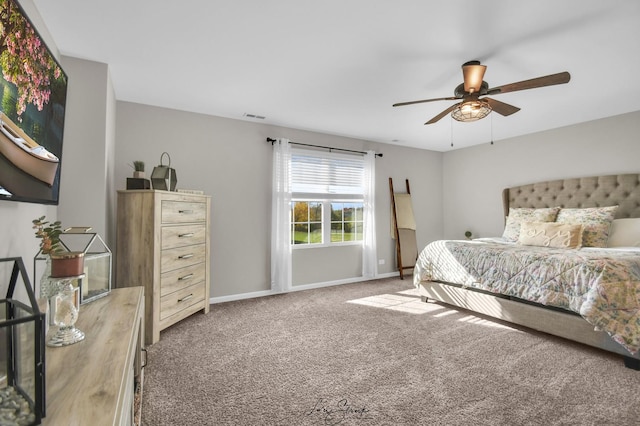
{"type": "Point", "coordinates": [475, 177]}
{"type": "Point", "coordinates": [231, 161]}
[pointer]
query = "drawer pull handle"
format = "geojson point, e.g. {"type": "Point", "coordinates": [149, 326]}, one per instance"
{"type": "Point", "coordinates": [185, 211]}
{"type": "Point", "coordinates": [185, 256]}
{"type": "Point", "coordinates": [186, 277]}
{"type": "Point", "coordinates": [188, 234]}
{"type": "Point", "coordinates": [146, 357]}
{"type": "Point", "coordinates": [186, 298]}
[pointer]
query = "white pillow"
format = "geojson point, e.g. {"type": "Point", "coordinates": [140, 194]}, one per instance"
{"type": "Point", "coordinates": [624, 233]}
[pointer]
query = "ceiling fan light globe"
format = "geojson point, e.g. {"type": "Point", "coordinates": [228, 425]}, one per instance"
{"type": "Point", "coordinates": [471, 111]}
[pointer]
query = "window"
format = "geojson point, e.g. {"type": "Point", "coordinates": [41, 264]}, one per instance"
{"type": "Point", "coordinates": [346, 222]}
{"type": "Point", "coordinates": [327, 198]}
{"type": "Point", "coordinates": [306, 222]}
{"type": "Point", "coordinates": [311, 225]}
{"type": "Point", "coordinates": [320, 184]}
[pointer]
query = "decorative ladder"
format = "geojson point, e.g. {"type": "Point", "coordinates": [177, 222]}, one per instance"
{"type": "Point", "coordinates": [403, 228]}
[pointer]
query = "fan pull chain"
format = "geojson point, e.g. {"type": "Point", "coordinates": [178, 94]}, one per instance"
{"type": "Point", "coordinates": [451, 133]}
{"type": "Point", "coordinates": [491, 128]}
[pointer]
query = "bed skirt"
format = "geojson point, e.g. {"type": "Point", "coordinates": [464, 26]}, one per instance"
{"type": "Point", "coordinates": [552, 321]}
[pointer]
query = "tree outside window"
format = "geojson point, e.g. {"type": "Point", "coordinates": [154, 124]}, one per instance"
{"type": "Point", "coordinates": [307, 222]}
{"type": "Point", "coordinates": [346, 222]}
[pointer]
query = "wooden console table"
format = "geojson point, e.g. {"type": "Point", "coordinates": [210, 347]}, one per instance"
{"type": "Point", "coordinates": [92, 382]}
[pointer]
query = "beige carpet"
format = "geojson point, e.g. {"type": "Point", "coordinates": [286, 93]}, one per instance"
{"type": "Point", "coordinates": [373, 354]}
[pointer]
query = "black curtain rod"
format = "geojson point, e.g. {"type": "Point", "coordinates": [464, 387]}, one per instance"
{"type": "Point", "coordinates": [324, 147]}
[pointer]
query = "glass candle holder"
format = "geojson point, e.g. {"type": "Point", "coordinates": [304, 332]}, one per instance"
{"type": "Point", "coordinates": [65, 313]}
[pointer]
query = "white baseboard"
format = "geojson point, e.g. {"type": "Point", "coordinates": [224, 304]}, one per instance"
{"type": "Point", "coordinates": [254, 294]}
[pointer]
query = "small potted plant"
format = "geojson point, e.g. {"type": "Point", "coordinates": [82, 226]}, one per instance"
{"type": "Point", "coordinates": [468, 235]}
{"type": "Point", "coordinates": [64, 263]}
{"type": "Point", "coordinates": [138, 169]}
{"type": "Point", "coordinates": [48, 233]}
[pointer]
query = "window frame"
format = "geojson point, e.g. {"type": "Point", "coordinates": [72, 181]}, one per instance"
{"type": "Point", "coordinates": [309, 222]}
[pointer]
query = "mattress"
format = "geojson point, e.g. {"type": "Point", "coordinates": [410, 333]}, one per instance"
{"type": "Point", "coordinates": [601, 285]}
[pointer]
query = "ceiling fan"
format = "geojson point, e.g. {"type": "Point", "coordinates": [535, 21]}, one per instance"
{"type": "Point", "coordinates": [472, 107]}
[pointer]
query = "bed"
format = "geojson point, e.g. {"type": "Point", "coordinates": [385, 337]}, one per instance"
{"type": "Point", "coordinates": [554, 268]}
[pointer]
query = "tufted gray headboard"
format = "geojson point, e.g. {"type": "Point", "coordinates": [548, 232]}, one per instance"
{"type": "Point", "coordinates": [595, 191]}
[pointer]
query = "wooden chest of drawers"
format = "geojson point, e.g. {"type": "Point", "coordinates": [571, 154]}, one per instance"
{"type": "Point", "coordinates": [162, 243]}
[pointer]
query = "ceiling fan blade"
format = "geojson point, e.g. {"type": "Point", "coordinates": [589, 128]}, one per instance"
{"type": "Point", "coordinates": [423, 100]}
{"type": "Point", "coordinates": [473, 74]}
{"type": "Point", "coordinates": [442, 114]}
{"type": "Point", "coordinates": [548, 80]}
{"type": "Point", "coordinates": [500, 107]}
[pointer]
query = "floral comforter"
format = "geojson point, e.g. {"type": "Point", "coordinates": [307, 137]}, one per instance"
{"type": "Point", "coordinates": [602, 285]}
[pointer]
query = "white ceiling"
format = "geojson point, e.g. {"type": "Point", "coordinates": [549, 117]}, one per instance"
{"type": "Point", "coordinates": [337, 66]}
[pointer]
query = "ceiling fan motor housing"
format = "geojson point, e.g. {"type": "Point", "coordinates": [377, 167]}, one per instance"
{"type": "Point", "coordinates": [460, 93]}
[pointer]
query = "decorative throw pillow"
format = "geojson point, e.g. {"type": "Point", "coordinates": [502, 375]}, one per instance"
{"type": "Point", "coordinates": [596, 220]}
{"type": "Point", "coordinates": [551, 234]}
{"type": "Point", "coordinates": [624, 233]}
{"type": "Point", "coordinates": [519, 215]}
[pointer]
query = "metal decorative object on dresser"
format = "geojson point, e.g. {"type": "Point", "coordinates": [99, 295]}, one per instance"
{"type": "Point", "coordinates": [163, 244]}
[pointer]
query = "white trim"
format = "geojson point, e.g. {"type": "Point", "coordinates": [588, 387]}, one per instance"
{"type": "Point", "coordinates": [323, 245]}
{"type": "Point", "coordinates": [242, 296]}
{"type": "Point", "coordinates": [302, 287]}
{"type": "Point", "coordinates": [338, 198]}
{"type": "Point", "coordinates": [255, 294]}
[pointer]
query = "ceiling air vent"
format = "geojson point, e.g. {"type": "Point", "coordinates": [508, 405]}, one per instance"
{"type": "Point", "coordinates": [258, 117]}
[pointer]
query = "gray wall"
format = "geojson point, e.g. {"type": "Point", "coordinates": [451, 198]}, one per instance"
{"type": "Point", "coordinates": [231, 161]}
{"type": "Point", "coordinates": [474, 177]}
{"type": "Point", "coordinates": [87, 149]}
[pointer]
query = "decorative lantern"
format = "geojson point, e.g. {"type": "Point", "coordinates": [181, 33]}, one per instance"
{"type": "Point", "coordinates": [22, 334]}
{"type": "Point", "coordinates": [96, 282]}
{"type": "Point", "coordinates": [90, 279]}
{"type": "Point", "coordinates": [164, 177]}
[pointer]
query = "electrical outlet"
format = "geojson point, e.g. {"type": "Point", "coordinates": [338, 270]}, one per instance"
{"type": "Point", "coordinates": [380, 261]}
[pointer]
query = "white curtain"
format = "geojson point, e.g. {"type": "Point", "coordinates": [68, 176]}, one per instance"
{"type": "Point", "coordinates": [280, 213]}
{"type": "Point", "coordinates": [369, 252]}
